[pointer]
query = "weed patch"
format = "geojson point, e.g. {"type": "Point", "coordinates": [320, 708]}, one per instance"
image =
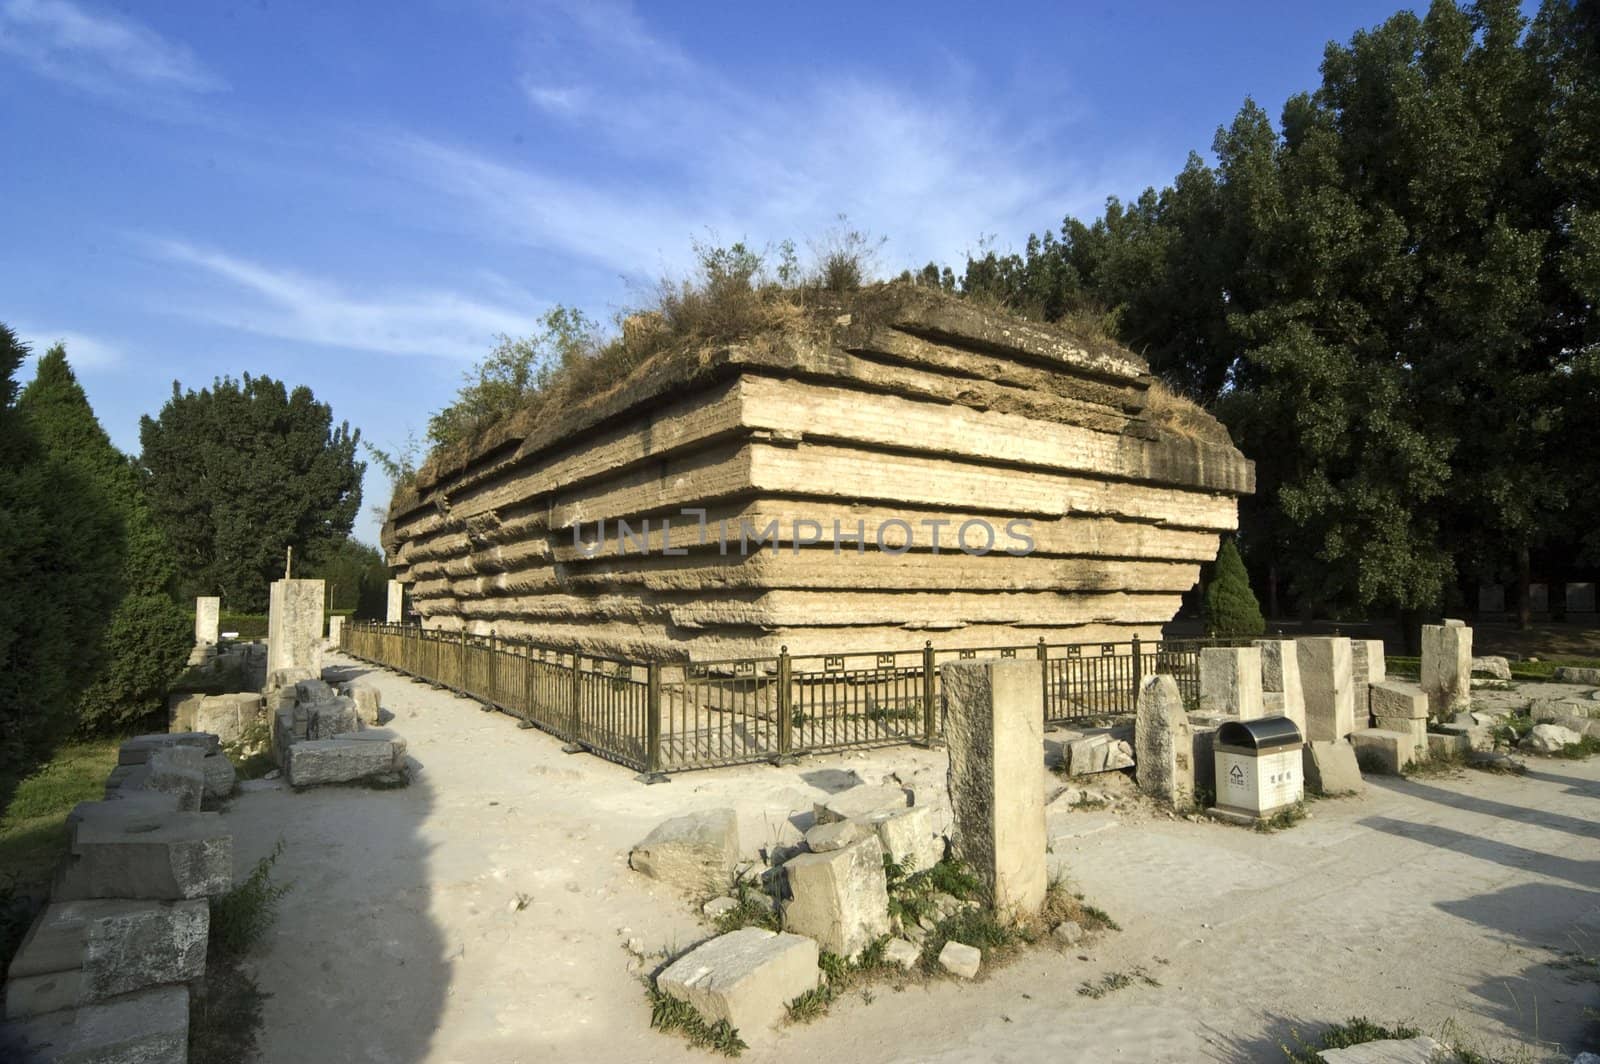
{"type": "Point", "coordinates": [1353, 1032]}
{"type": "Point", "coordinates": [1113, 981]}
{"type": "Point", "coordinates": [242, 916]}
{"type": "Point", "coordinates": [225, 1007]}
{"type": "Point", "coordinates": [669, 1014]}
{"type": "Point", "coordinates": [1283, 819]}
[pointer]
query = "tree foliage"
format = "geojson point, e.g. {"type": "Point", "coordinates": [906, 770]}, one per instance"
{"type": "Point", "coordinates": [242, 471]}
{"type": "Point", "coordinates": [357, 578]}
{"type": "Point", "coordinates": [1231, 609]}
{"type": "Point", "coordinates": [148, 636]}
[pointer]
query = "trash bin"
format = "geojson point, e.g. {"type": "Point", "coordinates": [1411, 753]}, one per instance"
{"type": "Point", "coordinates": [1258, 766]}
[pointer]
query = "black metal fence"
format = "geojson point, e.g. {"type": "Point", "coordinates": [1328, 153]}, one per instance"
{"type": "Point", "coordinates": [662, 717]}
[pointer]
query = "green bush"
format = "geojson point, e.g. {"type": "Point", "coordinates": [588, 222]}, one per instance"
{"type": "Point", "coordinates": [248, 625]}
{"type": "Point", "coordinates": [1231, 609]}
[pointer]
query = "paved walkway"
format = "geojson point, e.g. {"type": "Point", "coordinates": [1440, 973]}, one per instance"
{"type": "Point", "coordinates": [481, 914]}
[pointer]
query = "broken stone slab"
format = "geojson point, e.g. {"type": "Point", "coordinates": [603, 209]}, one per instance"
{"type": "Point", "coordinates": [1448, 746]}
{"type": "Point", "coordinates": [1281, 690]}
{"type": "Point", "coordinates": [1093, 754]}
{"type": "Point", "coordinates": [178, 770]}
{"type": "Point", "coordinates": [840, 898]}
{"type": "Point", "coordinates": [907, 838]}
{"type": "Point", "coordinates": [746, 977]}
{"type": "Point", "coordinates": [836, 835]}
{"type": "Point", "coordinates": [1387, 753]}
{"type": "Point", "coordinates": [220, 776]}
{"type": "Point", "coordinates": [1491, 665]}
{"type": "Point", "coordinates": [125, 850]}
{"type": "Point", "coordinates": [960, 959]}
{"type": "Point", "coordinates": [1415, 727]}
{"type": "Point", "coordinates": [1164, 743]}
{"type": "Point", "coordinates": [902, 953]}
{"type": "Point", "coordinates": [346, 759]}
{"type": "Point", "coordinates": [1447, 669]}
{"type": "Point", "coordinates": [1331, 768]}
{"type": "Point", "coordinates": [1230, 681]}
{"type": "Point", "coordinates": [1419, 1050]}
{"type": "Point", "coordinates": [1574, 674]}
{"type": "Point", "coordinates": [137, 751]}
{"type": "Point", "coordinates": [85, 951]}
{"type": "Point", "coordinates": [695, 852]}
{"type": "Point", "coordinates": [227, 716]}
{"type": "Point", "coordinates": [324, 720]}
{"type": "Point", "coordinates": [313, 692]}
{"type": "Point", "coordinates": [1548, 739]}
{"type": "Point", "coordinates": [1328, 678]}
{"type": "Point", "coordinates": [1478, 737]}
{"type": "Point", "coordinates": [860, 803]}
{"type": "Point", "coordinates": [1396, 698]}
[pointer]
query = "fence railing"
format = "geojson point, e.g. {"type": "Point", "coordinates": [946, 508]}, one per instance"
{"type": "Point", "coordinates": [663, 717]}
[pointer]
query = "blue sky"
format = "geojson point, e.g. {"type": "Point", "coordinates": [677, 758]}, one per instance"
{"type": "Point", "coordinates": [360, 196]}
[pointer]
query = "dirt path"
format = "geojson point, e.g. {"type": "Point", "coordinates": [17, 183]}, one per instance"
{"type": "Point", "coordinates": [402, 940]}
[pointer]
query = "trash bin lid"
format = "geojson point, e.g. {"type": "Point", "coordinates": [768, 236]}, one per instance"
{"type": "Point", "coordinates": [1264, 733]}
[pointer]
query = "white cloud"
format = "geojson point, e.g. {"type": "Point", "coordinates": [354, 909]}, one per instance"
{"type": "Point", "coordinates": [293, 306]}
{"type": "Point", "coordinates": [97, 51]}
{"type": "Point", "coordinates": [84, 352]}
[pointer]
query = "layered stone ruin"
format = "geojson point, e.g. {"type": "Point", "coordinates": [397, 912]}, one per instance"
{"type": "Point", "coordinates": [789, 490]}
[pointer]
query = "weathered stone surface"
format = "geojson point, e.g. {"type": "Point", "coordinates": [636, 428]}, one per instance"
{"type": "Point", "coordinates": [1419, 1050]}
{"type": "Point", "coordinates": [994, 728]}
{"type": "Point", "coordinates": [1164, 743]}
{"type": "Point", "coordinates": [1555, 709]}
{"type": "Point", "coordinates": [1478, 737]}
{"type": "Point", "coordinates": [294, 625]}
{"type": "Point", "coordinates": [150, 1027]}
{"type": "Point", "coordinates": [1448, 747]}
{"type": "Point", "coordinates": [1328, 679]}
{"type": "Point", "coordinates": [840, 898]}
{"type": "Point", "coordinates": [220, 776]}
{"type": "Point", "coordinates": [1447, 668]}
{"type": "Point", "coordinates": [225, 716]}
{"type": "Point", "coordinates": [137, 751]}
{"type": "Point", "coordinates": [1490, 665]}
{"type": "Point", "coordinates": [367, 702]}
{"type": "Point", "coordinates": [1230, 681]}
{"type": "Point", "coordinates": [1548, 739]}
{"type": "Point", "coordinates": [836, 835]}
{"type": "Point", "coordinates": [1416, 727]}
{"type": "Point", "coordinates": [289, 676]}
{"type": "Point", "coordinates": [859, 803]}
{"type": "Point", "coordinates": [207, 612]}
{"type": "Point", "coordinates": [178, 770]}
{"type": "Point", "coordinates": [1367, 662]}
{"type": "Point", "coordinates": [324, 720]}
{"type": "Point", "coordinates": [907, 838]}
{"type": "Point", "coordinates": [346, 759]}
{"type": "Point", "coordinates": [1068, 932]}
{"type": "Point", "coordinates": [336, 629]}
{"type": "Point", "coordinates": [1574, 674]}
{"type": "Point", "coordinates": [1396, 698]}
{"type": "Point", "coordinates": [695, 852]}
{"type": "Point", "coordinates": [746, 977]}
{"type": "Point", "coordinates": [122, 850]}
{"type": "Point", "coordinates": [961, 960]}
{"type": "Point", "coordinates": [1386, 753]}
{"type": "Point", "coordinates": [313, 691]}
{"type": "Point", "coordinates": [1331, 768]}
{"type": "Point", "coordinates": [1093, 754]}
{"type": "Point", "coordinates": [394, 611]}
{"type": "Point", "coordinates": [902, 953]}
{"type": "Point", "coordinates": [1280, 675]}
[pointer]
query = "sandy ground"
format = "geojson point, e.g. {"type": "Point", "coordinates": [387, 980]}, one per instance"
{"type": "Point", "coordinates": [1449, 898]}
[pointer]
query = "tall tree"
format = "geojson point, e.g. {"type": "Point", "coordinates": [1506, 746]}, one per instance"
{"type": "Point", "coordinates": [242, 471]}
{"type": "Point", "coordinates": [149, 635]}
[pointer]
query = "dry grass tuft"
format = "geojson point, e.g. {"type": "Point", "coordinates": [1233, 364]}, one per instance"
{"type": "Point", "coordinates": [1183, 416]}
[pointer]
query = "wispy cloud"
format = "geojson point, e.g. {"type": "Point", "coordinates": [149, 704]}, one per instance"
{"type": "Point", "coordinates": [293, 306]}
{"type": "Point", "coordinates": [84, 352]}
{"type": "Point", "coordinates": [98, 51]}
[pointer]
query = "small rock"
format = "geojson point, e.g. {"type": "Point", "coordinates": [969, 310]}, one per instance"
{"type": "Point", "coordinates": [272, 775]}
{"type": "Point", "coordinates": [1496, 667]}
{"type": "Point", "coordinates": [718, 907]}
{"type": "Point", "coordinates": [902, 953]}
{"type": "Point", "coordinates": [1549, 738]}
{"type": "Point", "coordinates": [825, 838]}
{"type": "Point", "coordinates": [1068, 932]}
{"type": "Point", "coordinates": [960, 959]}
{"type": "Point", "coordinates": [636, 947]}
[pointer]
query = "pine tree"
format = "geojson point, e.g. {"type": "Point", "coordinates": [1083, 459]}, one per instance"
{"type": "Point", "coordinates": [1231, 609]}
{"type": "Point", "coordinates": [149, 635]}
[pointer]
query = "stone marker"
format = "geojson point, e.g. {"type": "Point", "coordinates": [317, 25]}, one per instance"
{"type": "Point", "coordinates": [695, 852]}
{"type": "Point", "coordinates": [294, 625]}
{"type": "Point", "coordinates": [836, 835]}
{"type": "Point", "coordinates": [907, 838]}
{"type": "Point", "coordinates": [840, 898]}
{"type": "Point", "coordinates": [395, 611]}
{"type": "Point", "coordinates": [1447, 669]}
{"type": "Point", "coordinates": [1418, 1050]}
{"type": "Point", "coordinates": [335, 629]}
{"type": "Point", "coordinates": [746, 977]}
{"type": "Point", "coordinates": [1164, 743]}
{"type": "Point", "coordinates": [961, 960]}
{"type": "Point", "coordinates": [207, 615]}
{"type": "Point", "coordinates": [994, 728]}
{"type": "Point", "coordinates": [1328, 679]}
{"type": "Point", "coordinates": [859, 802]}
{"type": "Point", "coordinates": [1280, 675]}
{"type": "Point", "coordinates": [1331, 768]}
{"type": "Point", "coordinates": [1384, 752]}
{"type": "Point", "coordinates": [1230, 681]}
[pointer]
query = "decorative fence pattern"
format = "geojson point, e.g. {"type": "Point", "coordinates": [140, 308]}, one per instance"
{"type": "Point", "coordinates": [663, 717]}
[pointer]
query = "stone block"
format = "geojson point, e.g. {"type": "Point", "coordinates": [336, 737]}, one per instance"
{"type": "Point", "coordinates": [961, 960]}
{"type": "Point", "coordinates": [746, 977]}
{"type": "Point", "coordinates": [1556, 709]}
{"type": "Point", "coordinates": [220, 776]}
{"type": "Point", "coordinates": [336, 629]}
{"type": "Point", "coordinates": [207, 614]}
{"type": "Point", "coordinates": [994, 729]}
{"type": "Point", "coordinates": [836, 835]}
{"type": "Point", "coordinates": [696, 852]}
{"type": "Point", "coordinates": [1328, 679]}
{"type": "Point", "coordinates": [124, 850]}
{"type": "Point", "coordinates": [312, 691]}
{"type": "Point", "coordinates": [288, 676]}
{"type": "Point", "coordinates": [394, 613]}
{"type": "Point", "coordinates": [366, 699]}
{"type": "Point", "coordinates": [150, 1027]}
{"type": "Point", "coordinates": [1574, 674]}
{"type": "Point", "coordinates": [348, 759]}
{"type": "Point", "coordinates": [1448, 747]}
{"type": "Point", "coordinates": [1367, 662]}
{"type": "Point", "coordinates": [907, 838]}
{"type": "Point", "coordinates": [1386, 753]}
{"type": "Point", "coordinates": [1280, 676]}
{"type": "Point", "coordinates": [227, 717]}
{"type": "Point", "coordinates": [294, 625]}
{"type": "Point", "coordinates": [1331, 768]}
{"type": "Point", "coordinates": [324, 720]}
{"type": "Point", "coordinates": [1164, 743]}
{"type": "Point", "coordinates": [902, 953]}
{"type": "Point", "coordinates": [840, 898]}
{"type": "Point", "coordinates": [1230, 681]}
{"type": "Point", "coordinates": [1447, 669]}
{"type": "Point", "coordinates": [859, 802]}
{"type": "Point", "coordinates": [1416, 727]}
{"type": "Point", "coordinates": [1203, 759]}
{"type": "Point", "coordinates": [1477, 736]}
{"type": "Point", "coordinates": [1489, 665]}
{"type": "Point", "coordinates": [1548, 739]}
{"type": "Point", "coordinates": [178, 771]}
{"type": "Point", "coordinates": [1093, 754]}
{"type": "Point", "coordinates": [1396, 698]}
{"type": "Point", "coordinates": [137, 751]}
{"type": "Point", "coordinates": [1418, 1050]}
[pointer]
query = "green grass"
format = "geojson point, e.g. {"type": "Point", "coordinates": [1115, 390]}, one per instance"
{"type": "Point", "coordinates": [1585, 747]}
{"type": "Point", "coordinates": [1353, 1032]}
{"type": "Point", "coordinates": [33, 828]}
{"type": "Point", "coordinates": [839, 976]}
{"type": "Point", "coordinates": [669, 1014]}
{"type": "Point", "coordinates": [753, 910]}
{"type": "Point", "coordinates": [226, 1005]}
{"type": "Point", "coordinates": [1283, 818]}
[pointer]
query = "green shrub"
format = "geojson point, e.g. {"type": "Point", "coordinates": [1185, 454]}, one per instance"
{"type": "Point", "coordinates": [248, 625]}
{"type": "Point", "coordinates": [240, 917]}
{"type": "Point", "coordinates": [1231, 609]}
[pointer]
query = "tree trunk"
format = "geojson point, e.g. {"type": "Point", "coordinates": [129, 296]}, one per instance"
{"type": "Point", "coordinates": [1524, 579]}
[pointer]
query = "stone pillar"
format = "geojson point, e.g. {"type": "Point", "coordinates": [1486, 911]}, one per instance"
{"type": "Point", "coordinates": [1447, 669]}
{"type": "Point", "coordinates": [1328, 680]}
{"type": "Point", "coordinates": [207, 617]}
{"type": "Point", "coordinates": [1163, 743]}
{"type": "Point", "coordinates": [294, 626]}
{"type": "Point", "coordinates": [335, 628]}
{"type": "Point", "coordinates": [1281, 692]}
{"type": "Point", "coordinates": [1230, 681]}
{"type": "Point", "coordinates": [994, 728]}
{"type": "Point", "coordinates": [395, 614]}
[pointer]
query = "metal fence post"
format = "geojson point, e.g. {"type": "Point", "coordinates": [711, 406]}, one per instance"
{"type": "Point", "coordinates": [1042, 652]}
{"type": "Point", "coordinates": [577, 698]}
{"type": "Point", "coordinates": [785, 708]}
{"type": "Point", "coordinates": [461, 661]}
{"type": "Point", "coordinates": [527, 687]}
{"type": "Point", "coordinates": [489, 694]}
{"type": "Point", "coordinates": [930, 711]}
{"type": "Point", "coordinates": [1138, 670]}
{"type": "Point", "coordinates": [652, 725]}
